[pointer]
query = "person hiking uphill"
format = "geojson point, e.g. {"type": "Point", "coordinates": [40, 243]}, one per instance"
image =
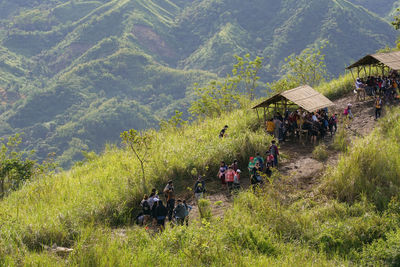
{"type": "Point", "coordinates": [221, 173]}
{"type": "Point", "coordinates": [222, 133]}
{"type": "Point", "coordinates": [274, 152]}
{"type": "Point", "coordinates": [230, 178]}
{"type": "Point", "coordinates": [188, 208]}
{"type": "Point", "coordinates": [169, 192]}
{"type": "Point", "coordinates": [180, 213]}
{"type": "Point", "coordinates": [199, 188]}
{"type": "Point", "coordinates": [378, 107]}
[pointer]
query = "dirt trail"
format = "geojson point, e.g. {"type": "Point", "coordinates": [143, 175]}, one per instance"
{"type": "Point", "coordinates": [300, 170]}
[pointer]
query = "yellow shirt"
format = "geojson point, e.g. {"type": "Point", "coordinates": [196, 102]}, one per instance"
{"type": "Point", "coordinates": [270, 126]}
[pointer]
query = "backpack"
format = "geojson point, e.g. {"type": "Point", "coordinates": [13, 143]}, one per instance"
{"type": "Point", "coordinates": [346, 112]}
{"type": "Point", "coordinates": [199, 188]}
{"type": "Point", "coordinates": [146, 206]}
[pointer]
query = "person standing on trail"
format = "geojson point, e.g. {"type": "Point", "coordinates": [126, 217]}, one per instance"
{"type": "Point", "coordinates": [221, 173]}
{"type": "Point", "coordinates": [333, 124]}
{"type": "Point", "coordinates": [199, 188]}
{"type": "Point", "coordinates": [270, 127]}
{"type": "Point", "coordinates": [169, 192]}
{"type": "Point", "coordinates": [275, 152]}
{"type": "Point", "coordinates": [236, 180]}
{"type": "Point", "coordinates": [347, 112]}
{"type": "Point", "coordinates": [188, 208]}
{"type": "Point", "coordinates": [229, 178]}
{"type": "Point", "coordinates": [146, 209]}
{"type": "Point", "coordinates": [252, 163]}
{"type": "Point", "coordinates": [378, 107]}
{"type": "Point", "coordinates": [161, 213]}
{"type": "Point", "coordinates": [255, 175]}
{"type": "Point", "coordinates": [152, 197]}
{"type": "Point", "coordinates": [259, 159]}
{"type": "Point", "coordinates": [180, 212]}
{"type": "Point", "coordinates": [235, 165]}
{"type": "Point", "coordinates": [222, 133]}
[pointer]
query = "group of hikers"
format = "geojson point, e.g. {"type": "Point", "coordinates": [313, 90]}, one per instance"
{"type": "Point", "coordinates": [297, 122]}
{"type": "Point", "coordinates": [259, 166]}
{"type": "Point", "coordinates": [384, 86]}
{"type": "Point", "coordinates": [155, 212]}
{"type": "Point", "coordinates": [229, 175]}
{"type": "Point", "coordinates": [384, 89]}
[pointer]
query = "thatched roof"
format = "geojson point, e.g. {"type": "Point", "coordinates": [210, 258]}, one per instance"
{"type": "Point", "coordinates": [392, 60]}
{"type": "Point", "coordinates": [303, 96]}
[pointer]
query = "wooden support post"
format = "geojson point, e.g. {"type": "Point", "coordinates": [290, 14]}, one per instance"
{"type": "Point", "coordinates": [370, 70]}
{"type": "Point", "coordinates": [358, 72]}
{"type": "Point", "coordinates": [258, 115]}
{"type": "Point", "coordinates": [265, 116]}
{"type": "Point", "coordinates": [352, 74]}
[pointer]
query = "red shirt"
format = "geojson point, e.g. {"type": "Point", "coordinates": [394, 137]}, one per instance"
{"type": "Point", "coordinates": [230, 176]}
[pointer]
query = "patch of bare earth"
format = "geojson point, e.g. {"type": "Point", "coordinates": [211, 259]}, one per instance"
{"type": "Point", "coordinates": [149, 39]}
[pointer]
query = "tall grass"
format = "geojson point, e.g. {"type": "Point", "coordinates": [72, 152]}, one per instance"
{"type": "Point", "coordinates": [371, 167]}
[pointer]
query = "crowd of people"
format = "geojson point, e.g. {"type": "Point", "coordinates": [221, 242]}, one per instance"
{"type": "Point", "coordinates": [229, 175]}
{"type": "Point", "coordinates": [385, 89]}
{"type": "Point", "coordinates": [384, 86]}
{"type": "Point", "coordinates": [154, 212]}
{"type": "Point", "coordinates": [294, 123]}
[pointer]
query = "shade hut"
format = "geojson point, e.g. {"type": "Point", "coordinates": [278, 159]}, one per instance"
{"type": "Point", "coordinates": [381, 61]}
{"type": "Point", "coordinates": [304, 96]}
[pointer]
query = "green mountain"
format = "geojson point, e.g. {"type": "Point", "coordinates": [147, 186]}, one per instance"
{"type": "Point", "coordinates": [76, 73]}
{"type": "Point", "coordinates": [383, 8]}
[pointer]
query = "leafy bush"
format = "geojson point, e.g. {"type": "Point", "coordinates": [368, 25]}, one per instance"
{"type": "Point", "coordinates": [320, 152]}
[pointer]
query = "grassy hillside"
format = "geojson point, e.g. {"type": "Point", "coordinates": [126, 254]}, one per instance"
{"type": "Point", "coordinates": [351, 217]}
{"type": "Point", "coordinates": [75, 73]}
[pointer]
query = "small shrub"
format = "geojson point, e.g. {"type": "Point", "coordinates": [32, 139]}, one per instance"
{"type": "Point", "coordinates": [205, 209]}
{"type": "Point", "coordinates": [341, 141]}
{"type": "Point", "coordinates": [320, 153]}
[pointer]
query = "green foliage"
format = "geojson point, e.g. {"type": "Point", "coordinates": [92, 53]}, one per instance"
{"type": "Point", "coordinates": [320, 152]}
{"type": "Point", "coordinates": [205, 209]}
{"type": "Point", "coordinates": [16, 167]}
{"type": "Point", "coordinates": [370, 168]}
{"type": "Point", "coordinates": [139, 143]}
{"type": "Point", "coordinates": [247, 70]}
{"type": "Point", "coordinates": [341, 140]}
{"type": "Point", "coordinates": [174, 122]}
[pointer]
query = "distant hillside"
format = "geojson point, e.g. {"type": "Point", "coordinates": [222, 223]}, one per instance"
{"type": "Point", "coordinates": [75, 73]}
{"type": "Point", "coordinates": [382, 8]}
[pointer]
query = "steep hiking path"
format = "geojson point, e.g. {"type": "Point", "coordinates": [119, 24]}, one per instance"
{"type": "Point", "coordinates": [299, 170]}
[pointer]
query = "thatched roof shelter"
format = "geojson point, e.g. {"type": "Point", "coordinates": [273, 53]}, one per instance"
{"type": "Point", "coordinates": [304, 96]}
{"type": "Point", "coordinates": [391, 60]}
